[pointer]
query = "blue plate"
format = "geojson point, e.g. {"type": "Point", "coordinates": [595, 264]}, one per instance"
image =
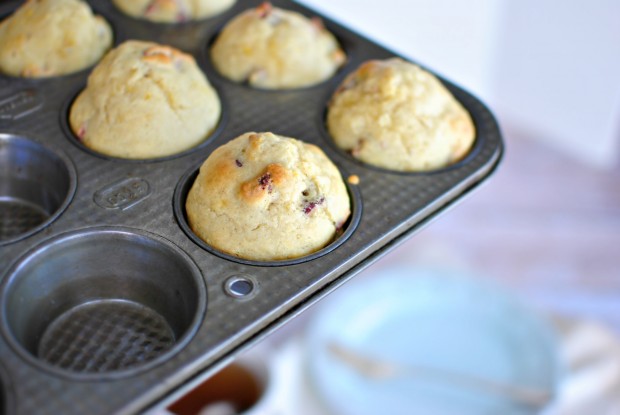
{"type": "Point", "coordinates": [438, 320]}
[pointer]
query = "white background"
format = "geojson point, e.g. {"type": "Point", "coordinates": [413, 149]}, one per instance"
{"type": "Point", "coordinates": [549, 68]}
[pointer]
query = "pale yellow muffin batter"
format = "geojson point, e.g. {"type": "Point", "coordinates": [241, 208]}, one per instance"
{"type": "Point", "coordinates": [172, 11]}
{"type": "Point", "coordinates": [145, 100]}
{"type": "Point", "coordinates": [276, 49]}
{"type": "Point", "coordinates": [395, 115]}
{"type": "Point", "coordinates": [266, 197]}
{"type": "Point", "coordinates": [52, 37]}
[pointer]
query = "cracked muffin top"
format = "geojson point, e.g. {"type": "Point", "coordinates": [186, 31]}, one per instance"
{"type": "Point", "coordinates": [145, 100]}
{"type": "Point", "coordinates": [46, 38]}
{"type": "Point", "coordinates": [273, 48]}
{"type": "Point", "coordinates": [395, 115]}
{"type": "Point", "coordinates": [172, 11]}
{"type": "Point", "coordinates": [266, 197]}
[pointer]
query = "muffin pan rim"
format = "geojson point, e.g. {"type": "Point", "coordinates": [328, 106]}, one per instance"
{"type": "Point", "coordinates": [12, 275]}
{"type": "Point", "coordinates": [65, 125]}
{"type": "Point", "coordinates": [8, 8]}
{"type": "Point", "coordinates": [346, 46]}
{"type": "Point", "coordinates": [467, 158]}
{"type": "Point", "coordinates": [9, 135]}
{"type": "Point", "coordinates": [186, 181]}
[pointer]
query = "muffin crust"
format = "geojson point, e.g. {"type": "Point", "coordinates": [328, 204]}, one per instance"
{"type": "Point", "coordinates": [266, 197]}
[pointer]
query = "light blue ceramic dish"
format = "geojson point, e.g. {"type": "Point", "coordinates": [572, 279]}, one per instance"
{"type": "Point", "coordinates": [440, 320]}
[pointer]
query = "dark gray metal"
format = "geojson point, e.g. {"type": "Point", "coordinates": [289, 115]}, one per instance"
{"type": "Point", "coordinates": [113, 260]}
{"type": "Point", "coordinates": [35, 186]}
{"type": "Point", "coordinates": [6, 393]}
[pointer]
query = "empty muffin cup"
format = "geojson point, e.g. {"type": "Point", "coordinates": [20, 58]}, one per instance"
{"type": "Point", "coordinates": [36, 184]}
{"type": "Point", "coordinates": [102, 302]}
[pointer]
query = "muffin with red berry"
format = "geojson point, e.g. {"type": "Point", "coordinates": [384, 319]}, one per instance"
{"type": "Point", "coordinates": [267, 197]}
{"type": "Point", "coordinates": [172, 11]}
{"type": "Point", "coordinates": [145, 100]}
{"type": "Point", "coordinates": [272, 48]}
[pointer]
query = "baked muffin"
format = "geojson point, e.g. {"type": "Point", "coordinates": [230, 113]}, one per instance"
{"type": "Point", "coordinates": [266, 197]}
{"type": "Point", "coordinates": [145, 100]}
{"type": "Point", "coordinates": [52, 37]}
{"type": "Point", "coordinates": [172, 11]}
{"type": "Point", "coordinates": [395, 115]}
{"type": "Point", "coordinates": [276, 49]}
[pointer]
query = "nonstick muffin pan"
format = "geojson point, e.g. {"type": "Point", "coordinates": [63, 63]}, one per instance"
{"type": "Point", "coordinates": [109, 303]}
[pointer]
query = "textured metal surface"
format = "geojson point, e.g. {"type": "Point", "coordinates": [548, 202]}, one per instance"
{"type": "Point", "coordinates": [18, 217]}
{"type": "Point", "coordinates": [139, 197]}
{"type": "Point", "coordinates": [105, 335]}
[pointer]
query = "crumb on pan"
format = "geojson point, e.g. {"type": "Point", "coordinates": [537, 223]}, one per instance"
{"type": "Point", "coordinates": [354, 179]}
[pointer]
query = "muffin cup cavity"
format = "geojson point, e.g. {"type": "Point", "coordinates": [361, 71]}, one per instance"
{"type": "Point", "coordinates": [75, 140]}
{"type": "Point", "coordinates": [461, 97]}
{"type": "Point", "coordinates": [206, 61]}
{"type": "Point", "coordinates": [102, 302]}
{"type": "Point", "coordinates": [9, 9]}
{"type": "Point", "coordinates": [345, 44]}
{"type": "Point", "coordinates": [36, 185]}
{"type": "Point", "coordinates": [185, 184]}
{"type": "Point", "coordinates": [464, 161]}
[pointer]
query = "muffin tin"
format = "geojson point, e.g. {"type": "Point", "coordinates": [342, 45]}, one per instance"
{"type": "Point", "coordinates": [109, 303]}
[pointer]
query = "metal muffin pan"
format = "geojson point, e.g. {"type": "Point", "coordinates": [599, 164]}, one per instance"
{"type": "Point", "coordinates": [108, 303]}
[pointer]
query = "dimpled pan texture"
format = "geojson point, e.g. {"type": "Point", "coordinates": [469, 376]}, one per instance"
{"type": "Point", "coordinates": [109, 303]}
